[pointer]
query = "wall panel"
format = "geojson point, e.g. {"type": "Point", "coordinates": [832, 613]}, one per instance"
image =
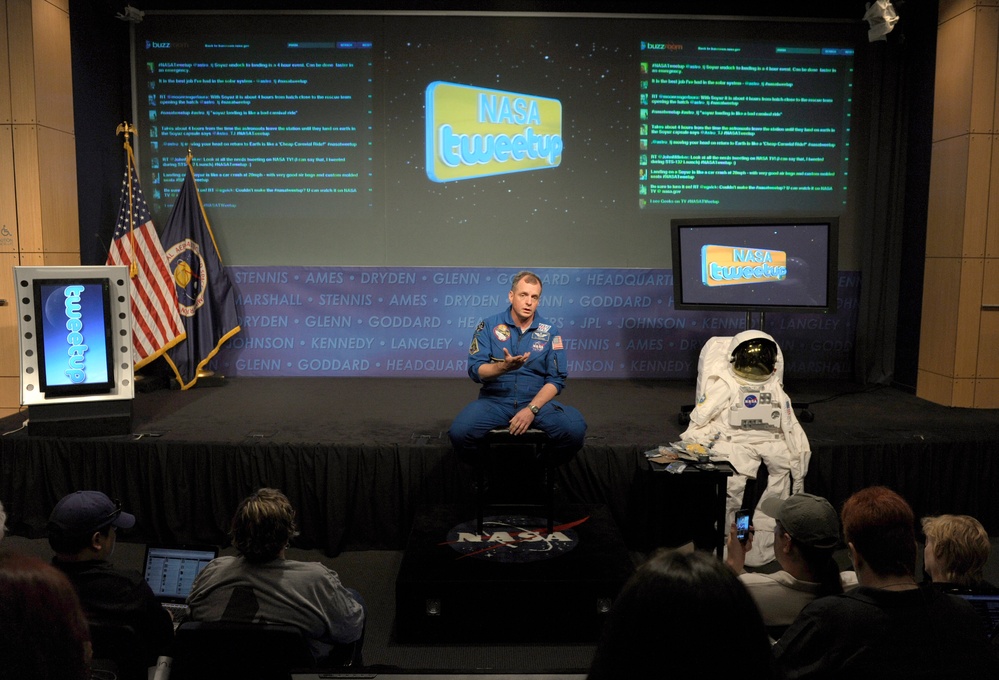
{"type": "Point", "coordinates": [948, 196]}
{"type": "Point", "coordinates": [4, 66]}
{"type": "Point", "coordinates": [940, 315]}
{"type": "Point", "coordinates": [969, 317]}
{"type": "Point", "coordinates": [8, 202]}
{"type": "Point", "coordinates": [952, 98]}
{"type": "Point", "coordinates": [26, 186]}
{"type": "Point", "coordinates": [983, 74]}
{"type": "Point", "coordinates": [53, 67]}
{"type": "Point", "coordinates": [60, 211]}
{"type": "Point", "coordinates": [22, 67]}
{"type": "Point", "coordinates": [977, 188]}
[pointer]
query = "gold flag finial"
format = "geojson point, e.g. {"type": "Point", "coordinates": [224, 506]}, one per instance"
{"type": "Point", "coordinates": [128, 129]}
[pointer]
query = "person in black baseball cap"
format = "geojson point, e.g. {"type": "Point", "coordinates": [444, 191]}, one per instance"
{"type": "Point", "coordinates": [83, 520]}
{"type": "Point", "coordinates": [82, 531]}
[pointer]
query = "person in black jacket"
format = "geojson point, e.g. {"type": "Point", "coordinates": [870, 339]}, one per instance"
{"type": "Point", "coordinates": [82, 531]}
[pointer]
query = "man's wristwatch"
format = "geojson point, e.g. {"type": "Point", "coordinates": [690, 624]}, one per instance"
{"type": "Point", "coordinates": [534, 409]}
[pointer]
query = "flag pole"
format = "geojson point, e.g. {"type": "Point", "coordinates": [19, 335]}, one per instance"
{"type": "Point", "coordinates": [125, 127]}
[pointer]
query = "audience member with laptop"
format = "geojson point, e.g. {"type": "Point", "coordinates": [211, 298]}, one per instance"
{"type": "Point", "coordinates": [956, 550]}
{"type": "Point", "coordinates": [82, 531]}
{"type": "Point", "coordinates": [262, 585]}
{"type": "Point", "coordinates": [954, 557]}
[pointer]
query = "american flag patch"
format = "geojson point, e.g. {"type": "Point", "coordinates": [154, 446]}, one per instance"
{"type": "Point", "coordinates": [557, 342]}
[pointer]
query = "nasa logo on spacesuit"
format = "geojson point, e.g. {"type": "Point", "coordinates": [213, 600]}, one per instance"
{"type": "Point", "coordinates": [513, 539]}
{"type": "Point", "coordinates": [750, 401]}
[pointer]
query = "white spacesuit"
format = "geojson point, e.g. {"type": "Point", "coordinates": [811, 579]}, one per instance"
{"type": "Point", "coordinates": [742, 412]}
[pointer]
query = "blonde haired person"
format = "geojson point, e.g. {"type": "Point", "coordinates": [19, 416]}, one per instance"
{"type": "Point", "coordinates": [957, 548]}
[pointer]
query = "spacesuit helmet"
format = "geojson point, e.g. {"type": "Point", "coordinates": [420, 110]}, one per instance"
{"type": "Point", "coordinates": [755, 359]}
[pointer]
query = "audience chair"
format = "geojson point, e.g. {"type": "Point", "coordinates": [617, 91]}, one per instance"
{"type": "Point", "coordinates": [221, 649]}
{"type": "Point", "coordinates": [534, 440]}
{"type": "Point", "coordinates": [119, 650]}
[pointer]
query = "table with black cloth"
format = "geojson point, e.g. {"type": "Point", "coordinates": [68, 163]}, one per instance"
{"type": "Point", "coordinates": [673, 509]}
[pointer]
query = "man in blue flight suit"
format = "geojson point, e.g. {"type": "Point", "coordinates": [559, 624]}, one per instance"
{"type": "Point", "coordinates": [519, 359]}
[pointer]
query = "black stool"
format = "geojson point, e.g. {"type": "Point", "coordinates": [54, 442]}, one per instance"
{"type": "Point", "coordinates": [532, 438]}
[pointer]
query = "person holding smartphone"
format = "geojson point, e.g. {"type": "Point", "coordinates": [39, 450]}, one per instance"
{"type": "Point", "coordinates": [806, 534]}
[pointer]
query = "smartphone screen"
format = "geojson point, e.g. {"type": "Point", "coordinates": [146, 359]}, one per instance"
{"type": "Point", "coordinates": [742, 525]}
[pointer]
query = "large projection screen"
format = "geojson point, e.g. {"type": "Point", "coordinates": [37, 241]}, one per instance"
{"type": "Point", "coordinates": [412, 139]}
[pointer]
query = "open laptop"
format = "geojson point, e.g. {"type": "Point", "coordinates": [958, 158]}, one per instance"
{"type": "Point", "coordinates": [170, 571]}
{"type": "Point", "coordinates": [987, 607]}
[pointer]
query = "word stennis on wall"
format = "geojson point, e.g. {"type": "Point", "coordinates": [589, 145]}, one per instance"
{"type": "Point", "coordinates": [418, 322]}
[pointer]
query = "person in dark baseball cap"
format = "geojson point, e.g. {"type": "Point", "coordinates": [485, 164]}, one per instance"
{"type": "Point", "coordinates": [82, 513]}
{"type": "Point", "coordinates": [810, 520]}
{"type": "Point", "coordinates": [806, 533]}
{"type": "Point", "coordinates": [83, 530]}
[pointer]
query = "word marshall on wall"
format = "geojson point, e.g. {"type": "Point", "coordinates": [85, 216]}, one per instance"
{"type": "Point", "coordinates": [476, 132]}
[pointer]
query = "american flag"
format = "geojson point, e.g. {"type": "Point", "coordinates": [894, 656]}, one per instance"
{"type": "Point", "coordinates": [156, 322]}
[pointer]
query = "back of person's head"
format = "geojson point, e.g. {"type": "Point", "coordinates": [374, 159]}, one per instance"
{"type": "Point", "coordinates": [686, 613]}
{"type": "Point", "coordinates": [43, 631]}
{"type": "Point", "coordinates": [960, 546]}
{"type": "Point", "coordinates": [263, 525]}
{"type": "Point", "coordinates": [881, 526]}
{"type": "Point", "coordinates": [811, 525]}
{"type": "Point", "coordinates": [79, 515]}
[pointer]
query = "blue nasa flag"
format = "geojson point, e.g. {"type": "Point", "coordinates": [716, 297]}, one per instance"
{"type": "Point", "coordinates": [204, 293]}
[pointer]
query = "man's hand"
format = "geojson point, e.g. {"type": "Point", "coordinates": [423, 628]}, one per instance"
{"type": "Point", "coordinates": [511, 362]}
{"type": "Point", "coordinates": [736, 549]}
{"type": "Point", "coordinates": [521, 421]}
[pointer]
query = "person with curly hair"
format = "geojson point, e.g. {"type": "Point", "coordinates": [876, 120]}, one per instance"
{"type": "Point", "coordinates": [262, 585]}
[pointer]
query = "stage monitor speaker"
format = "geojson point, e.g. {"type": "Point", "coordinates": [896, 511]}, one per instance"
{"type": "Point", "coordinates": [81, 418]}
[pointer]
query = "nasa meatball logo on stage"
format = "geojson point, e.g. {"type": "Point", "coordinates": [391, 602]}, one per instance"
{"type": "Point", "coordinates": [513, 539]}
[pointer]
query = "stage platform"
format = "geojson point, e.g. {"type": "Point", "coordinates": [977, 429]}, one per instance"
{"type": "Point", "coordinates": [358, 456]}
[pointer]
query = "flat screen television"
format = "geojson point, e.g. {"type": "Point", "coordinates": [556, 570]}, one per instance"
{"type": "Point", "coordinates": [73, 323]}
{"type": "Point", "coordinates": [755, 264]}
{"type": "Point", "coordinates": [75, 335]}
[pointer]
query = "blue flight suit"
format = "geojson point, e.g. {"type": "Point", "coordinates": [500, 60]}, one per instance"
{"type": "Point", "coordinates": [500, 398]}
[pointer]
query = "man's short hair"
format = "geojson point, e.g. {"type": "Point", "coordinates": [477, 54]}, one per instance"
{"type": "Point", "coordinates": [960, 544]}
{"type": "Point", "coordinates": [70, 544]}
{"type": "Point", "coordinates": [881, 526]}
{"type": "Point", "coordinates": [263, 525]}
{"type": "Point", "coordinates": [530, 277]}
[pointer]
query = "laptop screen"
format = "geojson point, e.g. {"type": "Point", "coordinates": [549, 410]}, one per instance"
{"type": "Point", "coordinates": [987, 607]}
{"type": "Point", "coordinates": [170, 570]}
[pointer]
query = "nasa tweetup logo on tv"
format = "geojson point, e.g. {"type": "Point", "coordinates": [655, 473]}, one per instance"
{"type": "Point", "coordinates": [477, 132]}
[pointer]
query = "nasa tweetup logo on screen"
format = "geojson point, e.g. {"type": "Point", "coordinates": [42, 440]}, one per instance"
{"type": "Point", "coordinates": [477, 132]}
{"type": "Point", "coordinates": [728, 265]}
